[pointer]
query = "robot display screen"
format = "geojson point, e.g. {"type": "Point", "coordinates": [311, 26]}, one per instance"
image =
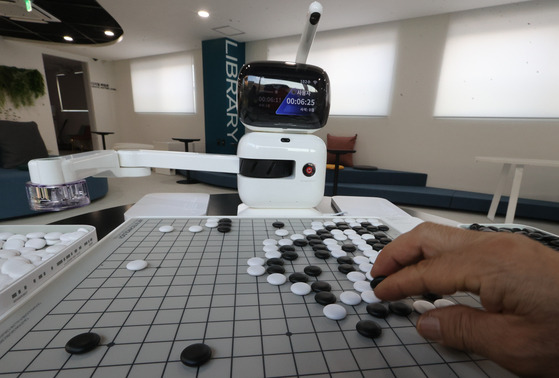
{"type": "Point", "coordinates": [283, 95]}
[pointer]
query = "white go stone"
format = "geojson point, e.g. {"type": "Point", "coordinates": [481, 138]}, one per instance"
{"type": "Point", "coordinates": [35, 235]}
{"type": "Point", "coordinates": [282, 232]}
{"type": "Point", "coordinates": [334, 311]}
{"type": "Point", "coordinates": [297, 236]}
{"type": "Point", "coordinates": [270, 242]}
{"type": "Point", "coordinates": [360, 259]}
{"type": "Point", "coordinates": [362, 286]}
{"type": "Point", "coordinates": [16, 267]}
{"type": "Point", "coordinates": [367, 237]}
{"type": "Point", "coordinates": [9, 253]}
{"type": "Point", "coordinates": [19, 237]}
{"type": "Point", "coordinates": [330, 241]}
{"type": "Point", "coordinates": [338, 253]}
{"type": "Point", "coordinates": [256, 261]}
{"type": "Point", "coordinates": [301, 288]}
{"type": "Point", "coordinates": [195, 228]}
{"type": "Point", "coordinates": [334, 247]}
{"type": "Point", "coordinates": [270, 248]}
{"type": "Point", "coordinates": [36, 243]}
{"type": "Point", "coordinates": [276, 279]}
{"type": "Point", "coordinates": [356, 276]}
{"type": "Point", "coordinates": [55, 235]}
{"type": "Point", "coordinates": [441, 303]}
{"type": "Point", "coordinates": [137, 265]}
{"type": "Point", "coordinates": [308, 232]}
{"type": "Point", "coordinates": [211, 224]}
{"type": "Point", "coordinates": [5, 235]}
{"type": "Point", "coordinates": [369, 296]}
{"type": "Point", "coordinates": [365, 267]}
{"type": "Point", "coordinates": [273, 254]}
{"type": "Point", "coordinates": [350, 298]}
{"type": "Point", "coordinates": [422, 306]}
{"type": "Point", "coordinates": [166, 228]}
{"type": "Point", "coordinates": [14, 244]}
{"type": "Point", "coordinates": [256, 270]}
{"type": "Point", "coordinates": [285, 242]}
{"type": "Point", "coordinates": [340, 237]}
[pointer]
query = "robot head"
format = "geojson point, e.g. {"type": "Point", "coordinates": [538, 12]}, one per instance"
{"type": "Point", "coordinates": [283, 97]}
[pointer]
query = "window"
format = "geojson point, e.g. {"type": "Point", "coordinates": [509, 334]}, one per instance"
{"type": "Point", "coordinates": [163, 84]}
{"type": "Point", "coordinates": [359, 62]}
{"type": "Point", "coordinates": [501, 62]}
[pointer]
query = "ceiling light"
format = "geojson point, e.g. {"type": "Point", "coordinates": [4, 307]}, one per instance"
{"type": "Point", "coordinates": [203, 13]}
{"type": "Point", "coordinates": [109, 33]}
{"type": "Point", "coordinates": [68, 38]}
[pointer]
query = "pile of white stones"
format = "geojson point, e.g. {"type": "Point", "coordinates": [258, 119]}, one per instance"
{"type": "Point", "coordinates": [22, 253]}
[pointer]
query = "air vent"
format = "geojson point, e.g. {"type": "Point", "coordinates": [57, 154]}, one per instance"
{"type": "Point", "coordinates": [16, 12]}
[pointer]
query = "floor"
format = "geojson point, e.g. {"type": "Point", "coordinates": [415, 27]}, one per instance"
{"type": "Point", "coordinates": [125, 191]}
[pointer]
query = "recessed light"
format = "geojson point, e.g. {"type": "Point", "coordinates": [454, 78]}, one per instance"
{"type": "Point", "coordinates": [68, 38]}
{"type": "Point", "coordinates": [203, 13]}
{"type": "Point", "coordinates": [109, 33]}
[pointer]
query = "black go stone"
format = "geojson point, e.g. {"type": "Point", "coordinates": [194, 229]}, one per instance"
{"type": "Point", "coordinates": [196, 354]}
{"type": "Point", "coordinates": [326, 236]}
{"type": "Point", "coordinates": [325, 298]}
{"type": "Point", "coordinates": [298, 277]}
{"type": "Point", "coordinates": [368, 328]}
{"type": "Point", "coordinates": [431, 297]}
{"type": "Point", "coordinates": [345, 260]}
{"type": "Point", "coordinates": [385, 240]}
{"type": "Point", "coordinates": [400, 308]}
{"type": "Point", "coordinates": [378, 310]}
{"type": "Point", "coordinates": [372, 242]}
{"type": "Point", "coordinates": [319, 286]}
{"type": "Point", "coordinates": [322, 254]}
{"type": "Point", "coordinates": [274, 261]}
{"type": "Point", "coordinates": [315, 242]}
{"type": "Point", "coordinates": [378, 246]}
{"type": "Point", "coordinates": [312, 270]}
{"type": "Point", "coordinates": [300, 242]}
{"type": "Point", "coordinates": [82, 343]}
{"type": "Point", "coordinates": [346, 268]}
{"type": "Point", "coordinates": [225, 221]}
{"type": "Point", "coordinates": [224, 229]}
{"type": "Point", "coordinates": [318, 246]}
{"type": "Point", "coordinates": [287, 248]}
{"type": "Point", "coordinates": [348, 248]}
{"type": "Point", "coordinates": [290, 255]}
{"type": "Point", "coordinates": [275, 269]}
{"type": "Point", "coordinates": [314, 237]}
{"type": "Point", "coordinates": [376, 281]}
{"type": "Point", "coordinates": [383, 227]}
{"type": "Point", "coordinates": [278, 224]}
{"type": "Point", "coordinates": [372, 228]}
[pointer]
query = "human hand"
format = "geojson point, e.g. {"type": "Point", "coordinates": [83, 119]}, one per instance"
{"type": "Point", "coordinates": [516, 278]}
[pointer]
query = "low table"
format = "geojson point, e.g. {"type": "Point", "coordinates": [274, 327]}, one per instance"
{"type": "Point", "coordinates": [518, 165]}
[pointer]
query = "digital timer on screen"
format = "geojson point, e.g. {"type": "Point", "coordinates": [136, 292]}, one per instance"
{"type": "Point", "coordinates": [283, 95]}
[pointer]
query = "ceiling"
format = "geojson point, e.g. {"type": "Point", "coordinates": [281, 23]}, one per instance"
{"type": "Point", "coordinates": [152, 27]}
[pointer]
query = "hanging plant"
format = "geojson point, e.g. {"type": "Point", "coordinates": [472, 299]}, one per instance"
{"type": "Point", "coordinates": [21, 86]}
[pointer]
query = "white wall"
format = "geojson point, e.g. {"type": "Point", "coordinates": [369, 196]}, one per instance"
{"type": "Point", "coordinates": [411, 139]}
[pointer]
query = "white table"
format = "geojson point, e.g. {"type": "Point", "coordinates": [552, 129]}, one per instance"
{"type": "Point", "coordinates": [518, 165]}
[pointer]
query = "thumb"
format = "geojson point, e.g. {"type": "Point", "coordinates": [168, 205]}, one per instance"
{"type": "Point", "coordinates": [464, 328]}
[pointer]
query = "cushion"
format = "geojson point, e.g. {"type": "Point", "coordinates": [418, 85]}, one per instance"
{"type": "Point", "coordinates": [340, 143]}
{"type": "Point", "coordinates": [333, 166]}
{"type": "Point", "coordinates": [19, 143]}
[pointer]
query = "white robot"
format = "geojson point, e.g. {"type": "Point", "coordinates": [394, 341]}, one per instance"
{"type": "Point", "coordinates": [280, 165]}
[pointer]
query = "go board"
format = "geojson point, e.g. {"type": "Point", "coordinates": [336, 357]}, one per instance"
{"type": "Point", "coordinates": [196, 290]}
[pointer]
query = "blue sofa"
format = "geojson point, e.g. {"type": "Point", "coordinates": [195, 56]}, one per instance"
{"type": "Point", "coordinates": [408, 188]}
{"type": "Point", "coordinates": [13, 199]}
